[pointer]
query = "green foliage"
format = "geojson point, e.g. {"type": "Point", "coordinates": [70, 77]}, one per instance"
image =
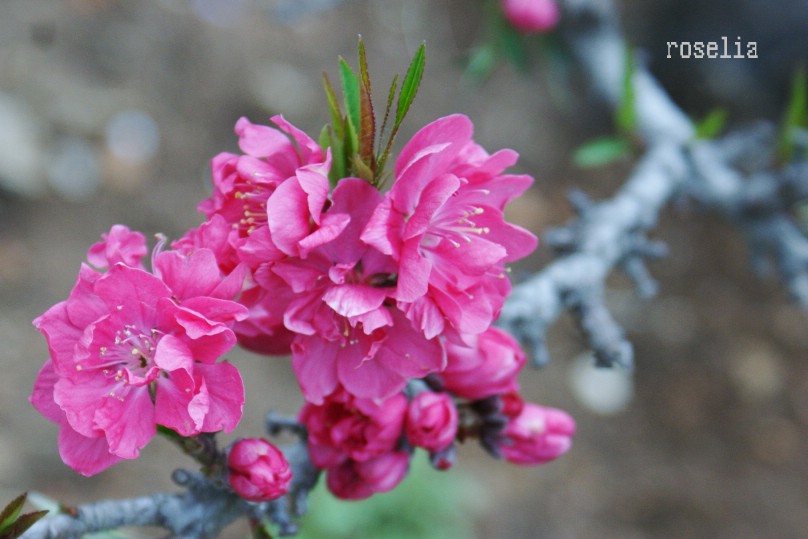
{"type": "Point", "coordinates": [601, 151]}
{"type": "Point", "coordinates": [12, 522]}
{"type": "Point", "coordinates": [428, 505]}
{"type": "Point", "coordinates": [626, 113]}
{"type": "Point", "coordinates": [352, 136]}
{"type": "Point", "coordinates": [796, 115]}
{"type": "Point", "coordinates": [604, 151]}
{"type": "Point", "coordinates": [712, 124]}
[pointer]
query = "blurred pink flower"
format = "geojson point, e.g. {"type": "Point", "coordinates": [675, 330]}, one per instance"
{"type": "Point", "coordinates": [531, 16]}
{"type": "Point", "coordinates": [431, 421]}
{"type": "Point", "coordinates": [537, 435]}
{"type": "Point", "coordinates": [257, 470]}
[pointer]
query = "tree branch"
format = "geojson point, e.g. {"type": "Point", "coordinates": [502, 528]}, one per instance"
{"type": "Point", "coordinates": [611, 234]}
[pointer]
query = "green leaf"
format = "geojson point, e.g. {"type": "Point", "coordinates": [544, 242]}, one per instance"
{"type": "Point", "coordinates": [362, 169]}
{"type": "Point", "coordinates": [363, 64]}
{"type": "Point", "coordinates": [21, 525]}
{"type": "Point", "coordinates": [796, 115]}
{"type": "Point", "coordinates": [367, 126]}
{"type": "Point", "coordinates": [350, 91]}
{"type": "Point", "coordinates": [412, 80]}
{"type": "Point", "coordinates": [409, 87]}
{"type": "Point", "coordinates": [333, 107]}
{"type": "Point", "coordinates": [601, 151]}
{"type": "Point", "coordinates": [626, 113]}
{"type": "Point", "coordinates": [482, 61]}
{"type": "Point", "coordinates": [712, 124]}
{"type": "Point", "coordinates": [390, 96]}
{"type": "Point", "coordinates": [381, 159]}
{"type": "Point", "coordinates": [351, 141]}
{"type": "Point", "coordinates": [11, 511]}
{"type": "Point", "coordinates": [324, 140]}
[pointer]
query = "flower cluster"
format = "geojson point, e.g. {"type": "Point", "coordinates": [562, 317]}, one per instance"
{"type": "Point", "coordinates": [385, 302]}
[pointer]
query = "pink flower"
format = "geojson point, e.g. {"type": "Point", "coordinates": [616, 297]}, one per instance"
{"type": "Point", "coordinates": [258, 471]}
{"type": "Point", "coordinates": [334, 290]}
{"type": "Point", "coordinates": [119, 245]}
{"type": "Point", "coordinates": [242, 184]}
{"type": "Point", "coordinates": [238, 227]}
{"type": "Point", "coordinates": [537, 435]}
{"type": "Point", "coordinates": [355, 480]}
{"type": "Point", "coordinates": [87, 455]}
{"type": "Point", "coordinates": [531, 16]}
{"type": "Point", "coordinates": [488, 366]}
{"type": "Point", "coordinates": [345, 427]}
{"type": "Point", "coordinates": [130, 350]}
{"type": "Point", "coordinates": [373, 366]}
{"type": "Point", "coordinates": [431, 421]}
{"type": "Point", "coordinates": [443, 222]}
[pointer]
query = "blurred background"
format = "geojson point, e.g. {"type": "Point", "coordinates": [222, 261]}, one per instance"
{"type": "Point", "coordinates": [111, 109]}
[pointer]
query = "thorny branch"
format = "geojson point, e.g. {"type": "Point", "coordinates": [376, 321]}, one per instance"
{"type": "Point", "coordinates": [731, 176]}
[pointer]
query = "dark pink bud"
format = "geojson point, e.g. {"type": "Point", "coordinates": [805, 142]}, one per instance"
{"type": "Point", "coordinates": [258, 470]}
{"type": "Point", "coordinates": [537, 435]}
{"type": "Point", "coordinates": [531, 16]}
{"type": "Point", "coordinates": [353, 480]}
{"type": "Point", "coordinates": [431, 421]}
{"type": "Point", "coordinates": [346, 427]}
{"type": "Point", "coordinates": [512, 403]}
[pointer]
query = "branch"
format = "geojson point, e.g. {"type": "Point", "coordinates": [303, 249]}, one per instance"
{"type": "Point", "coordinates": [206, 507]}
{"type": "Point", "coordinates": [200, 512]}
{"type": "Point", "coordinates": [612, 234]}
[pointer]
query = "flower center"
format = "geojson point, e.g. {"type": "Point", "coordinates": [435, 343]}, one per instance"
{"type": "Point", "coordinates": [254, 209]}
{"type": "Point", "coordinates": [455, 226]}
{"type": "Point", "coordinates": [132, 349]}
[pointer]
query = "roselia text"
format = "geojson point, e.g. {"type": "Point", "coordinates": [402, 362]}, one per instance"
{"type": "Point", "coordinates": [713, 49]}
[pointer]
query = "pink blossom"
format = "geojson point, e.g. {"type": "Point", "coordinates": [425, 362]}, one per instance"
{"type": "Point", "coordinates": [238, 228]}
{"type": "Point", "coordinates": [431, 421]}
{"type": "Point", "coordinates": [356, 480]}
{"type": "Point", "coordinates": [119, 245]}
{"type": "Point", "coordinates": [345, 427]}
{"type": "Point", "coordinates": [372, 366]}
{"type": "Point", "coordinates": [130, 350]}
{"type": "Point", "coordinates": [443, 222]}
{"type": "Point", "coordinates": [531, 16]}
{"type": "Point", "coordinates": [243, 183]}
{"type": "Point", "coordinates": [257, 470]}
{"type": "Point", "coordinates": [537, 435]}
{"type": "Point", "coordinates": [335, 294]}
{"type": "Point", "coordinates": [487, 365]}
{"type": "Point", "coordinates": [87, 455]}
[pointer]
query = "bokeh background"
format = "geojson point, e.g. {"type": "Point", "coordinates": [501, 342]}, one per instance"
{"type": "Point", "coordinates": [111, 109]}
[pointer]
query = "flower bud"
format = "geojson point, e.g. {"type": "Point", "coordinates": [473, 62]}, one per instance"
{"type": "Point", "coordinates": [354, 480]}
{"type": "Point", "coordinates": [431, 421]}
{"type": "Point", "coordinates": [488, 367]}
{"type": "Point", "coordinates": [537, 435]}
{"type": "Point", "coordinates": [531, 16]}
{"type": "Point", "coordinates": [258, 470]}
